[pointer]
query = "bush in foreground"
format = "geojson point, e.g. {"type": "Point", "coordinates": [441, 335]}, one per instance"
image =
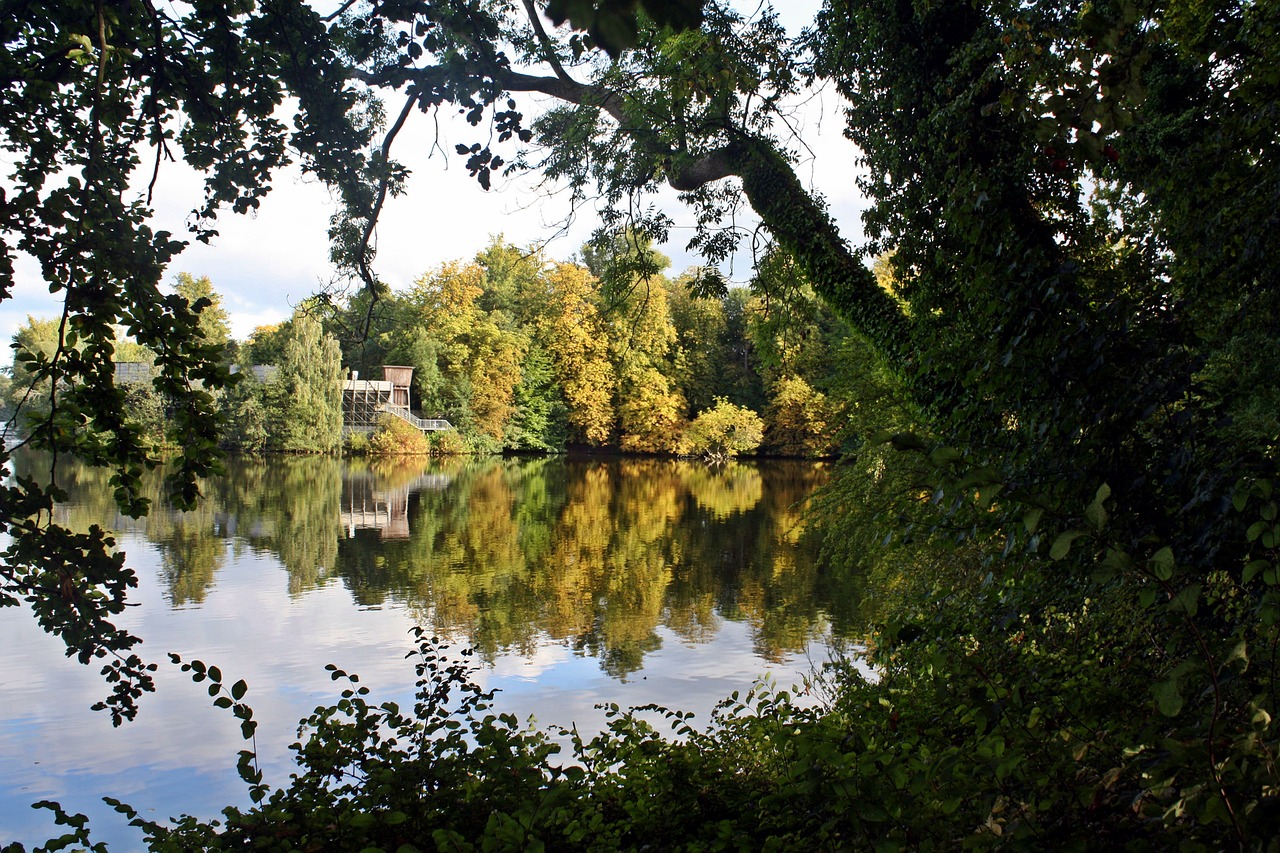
{"type": "Point", "coordinates": [978, 734]}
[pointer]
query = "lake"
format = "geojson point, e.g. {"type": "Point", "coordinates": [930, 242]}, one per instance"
{"type": "Point", "coordinates": [578, 581]}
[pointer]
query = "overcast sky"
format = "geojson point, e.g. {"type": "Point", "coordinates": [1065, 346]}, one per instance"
{"type": "Point", "coordinates": [263, 265]}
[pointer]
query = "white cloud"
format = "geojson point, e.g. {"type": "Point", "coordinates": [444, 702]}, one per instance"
{"type": "Point", "coordinates": [264, 264]}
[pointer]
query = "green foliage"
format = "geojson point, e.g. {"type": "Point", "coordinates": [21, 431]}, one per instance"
{"type": "Point", "coordinates": [145, 410]}
{"type": "Point", "coordinates": [1078, 201]}
{"type": "Point", "coordinates": [207, 303]}
{"type": "Point", "coordinates": [304, 402]}
{"type": "Point", "coordinates": [357, 443]}
{"type": "Point", "coordinates": [33, 343]}
{"type": "Point", "coordinates": [800, 421]}
{"type": "Point", "coordinates": [447, 443]}
{"type": "Point", "coordinates": [94, 93]}
{"type": "Point", "coordinates": [397, 437]}
{"type": "Point", "coordinates": [723, 431]}
{"type": "Point", "coordinates": [610, 362]}
{"type": "Point", "coordinates": [245, 405]}
{"type": "Point", "coordinates": [540, 421]}
{"type": "Point", "coordinates": [1015, 760]}
{"type": "Point", "coordinates": [614, 25]}
{"type": "Point", "coordinates": [266, 344]}
{"type": "Point", "coordinates": [703, 352]}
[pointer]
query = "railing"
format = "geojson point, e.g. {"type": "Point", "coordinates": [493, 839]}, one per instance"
{"type": "Point", "coordinates": [425, 424]}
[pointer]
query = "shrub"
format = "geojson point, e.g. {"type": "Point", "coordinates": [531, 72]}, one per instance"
{"type": "Point", "coordinates": [357, 443]}
{"type": "Point", "coordinates": [723, 431]}
{"type": "Point", "coordinates": [395, 437]}
{"type": "Point", "coordinates": [447, 443]}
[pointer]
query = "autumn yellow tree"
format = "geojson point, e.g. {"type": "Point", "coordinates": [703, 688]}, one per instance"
{"type": "Point", "coordinates": [468, 358]}
{"type": "Point", "coordinates": [575, 335]}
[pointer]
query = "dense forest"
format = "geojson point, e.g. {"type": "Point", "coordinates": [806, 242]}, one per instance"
{"type": "Point", "coordinates": [1063, 416]}
{"type": "Point", "coordinates": [524, 354]}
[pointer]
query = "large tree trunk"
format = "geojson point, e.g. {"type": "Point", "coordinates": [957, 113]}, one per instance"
{"type": "Point", "coordinates": [804, 229]}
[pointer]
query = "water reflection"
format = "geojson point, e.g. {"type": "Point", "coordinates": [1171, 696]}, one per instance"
{"type": "Point", "coordinates": [509, 554]}
{"type": "Point", "coordinates": [581, 581]}
{"type": "Point", "coordinates": [594, 555]}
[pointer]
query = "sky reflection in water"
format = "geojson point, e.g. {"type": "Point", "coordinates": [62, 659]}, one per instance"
{"type": "Point", "coordinates": [580, 582]}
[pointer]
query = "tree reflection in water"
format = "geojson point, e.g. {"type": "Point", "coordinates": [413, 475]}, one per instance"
{"type": "Point", "coordinates": [514, 554]}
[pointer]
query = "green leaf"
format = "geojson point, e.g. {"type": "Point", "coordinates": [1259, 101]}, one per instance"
{"type": "Point", "coordinates": [1252, 568]}
{"type": "Point", "coordinates": [980, 476]}
{"type": "Point", "coordinates": [1118, 560]}
{"type": "Point", "coordinates": [1187, 600]}
{"type": "Point", "coordinates": [1031, 519]}
{"type": "Point", "coordinates": [1168, 696]}
{"type": "Point", "coordinates": [988, 493]}
{"type": "Point", "coordinates": [615, 32]}
{"type": "Point", "coordinates": [944, 456]}
{"type": "Point", "coordinates": [1096, 513]}
{"type": "Point", "coordinates": [1115, 562]}
{"type": "Point", "coordinates": [906, 441]}
{"type": "Point", "coordinates": [1062, 545]}
{"type": "Point", "coordinates": [882, 436]}
{"type": "Point", "coordinates": [239, 689]}
{"type": "Point", "coordinates": [1162, 563]}
{"type": "Point", "coordinates": [1240, 500]}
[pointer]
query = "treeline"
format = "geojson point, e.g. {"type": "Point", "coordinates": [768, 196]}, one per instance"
{"type": "Point", "coordinates": [294, 407]}
{"type": "Point", "coordinates": [521, 353]}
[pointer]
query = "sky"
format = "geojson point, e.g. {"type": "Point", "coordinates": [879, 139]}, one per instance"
{"type": "Point", "coordinates": [263, 265]}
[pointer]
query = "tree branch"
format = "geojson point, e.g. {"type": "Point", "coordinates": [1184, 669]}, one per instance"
{"type": "Point", "coordinates": [548, 49]}
{"type": "Point", "coordinates": [362, 251]}
{"type": "Point", "coordinates": [799, 222]}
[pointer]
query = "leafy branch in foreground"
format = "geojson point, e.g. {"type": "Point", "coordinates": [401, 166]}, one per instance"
{"type": "Point", "coordinates": [1022, 752]}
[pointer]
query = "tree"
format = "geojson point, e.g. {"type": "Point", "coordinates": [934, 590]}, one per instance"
{"type": "Point", "coordinates": [575, 334]}
{"type": "Point", "coordinates": [91, 91]}
{"type": "Point", "coordinates": [1063, 328]}
{"type": "Point", "coordinates": [304, 401]}
{"type": "Point", "coordinates": [540, 421]}
{"type": "Point", "coordinates": [800, 421]}
{"type": "Point", "coordinates": [245, 408]}
{"type": "Point", "coordinates": [469, 358]}
{"type": "Point", "coordinates": [28, 393]}
{"type": "Point", "coordinates": [702, 352]}
{"type": "Point", "coordinates": [723, 431]}
{"type": "Point", "coordinates": [207, 303]}
{"type": "Point", "coordinates": [1059, 299]}
{"type": "Point", "coordinates": [651, 411]}
{"type": "Point", "coordinates": [266, 344]}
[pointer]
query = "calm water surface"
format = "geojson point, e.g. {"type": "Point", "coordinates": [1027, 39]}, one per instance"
{"type": "Point", "coordinates": [578, 581]}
